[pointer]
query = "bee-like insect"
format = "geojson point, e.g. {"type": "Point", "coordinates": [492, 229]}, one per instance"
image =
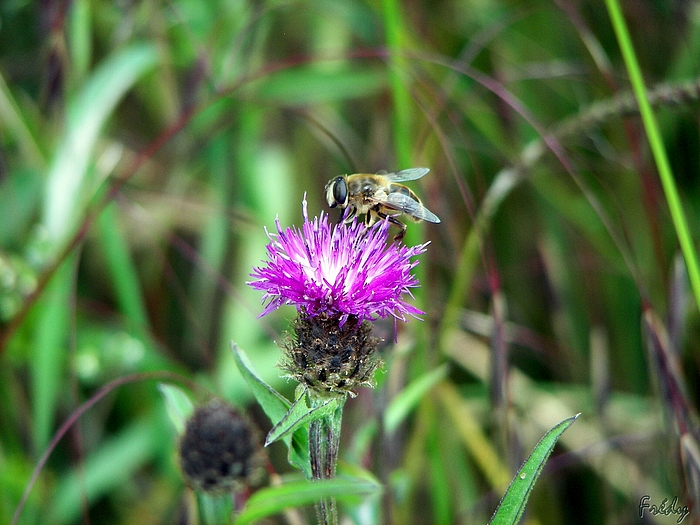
{"type": "Point", "coordinates": [379, 197]}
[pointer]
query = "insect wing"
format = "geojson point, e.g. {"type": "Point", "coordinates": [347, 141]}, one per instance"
{"type": "Point", "coordinates": [404, 175]}
{"type": "Point", "coordinates": [405, 204]}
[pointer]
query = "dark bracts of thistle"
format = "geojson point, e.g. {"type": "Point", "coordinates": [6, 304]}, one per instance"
{"type": "Point", "coordinates": [328, 357]}
{"type": "Point", "coordinates": [220, 449]}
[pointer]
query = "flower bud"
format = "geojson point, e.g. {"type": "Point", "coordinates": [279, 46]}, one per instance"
{"type": "Point", "coordinates": [219, 450]}
{"type": "Point", "coordinates": [330, 356]}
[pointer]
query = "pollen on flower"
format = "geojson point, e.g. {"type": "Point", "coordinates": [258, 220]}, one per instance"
{"type": "Point", "coordinates": [340, 271]}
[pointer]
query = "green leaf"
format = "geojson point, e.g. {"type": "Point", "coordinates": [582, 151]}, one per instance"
{"type": "Point", "coordinates": [409, 397]}
{"type": "Point", "coordinates": [86, 115]}
{"type": "Point", "coordinates": [16, 125]}
{"type": "Point", "coordinates": [20, 195]}
{"type": "Point", "coordinates": [656, 143]}
{"type": "Point", "coordinates": [314, 85]}
{"type": "Point", "coordinates": [300, 414]}
{"type": "Point", "coordinates": [273, 500]}
{"type": "Point", "coordinates": [80, 44]}
{"type": "Point", "coordinates": [122, 268]}
{"type": "Point", "coordinates": [272, 402]}
{"type": "Point", "coordinates": [513, 503]}
{"type": "Point", "coordinates": [178, 405]}
{"type": "Point", "coordinates": [276, 408]}
{"type": "Point", "coordinates": [109, 467]}
{"type": "Point", "coordinates": [48, 357]}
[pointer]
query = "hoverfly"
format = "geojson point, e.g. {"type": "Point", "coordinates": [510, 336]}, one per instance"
{"type": "Point", "coordinates": [379, 196]}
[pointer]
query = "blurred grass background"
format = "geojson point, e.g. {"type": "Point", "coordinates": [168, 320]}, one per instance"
{"type": "Point", "coordinates": [144, 146]}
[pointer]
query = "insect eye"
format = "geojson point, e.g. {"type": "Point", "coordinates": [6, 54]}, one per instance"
{"type": "Point", "coordinates": [340, 192]}
{"type": "Point", "coordinates": [330, 199]}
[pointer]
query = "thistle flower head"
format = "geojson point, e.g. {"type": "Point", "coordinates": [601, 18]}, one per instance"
{"type": "Point", "coordinates": [338, 271]}
{"type": "Point", "coordinates": [220, 450]}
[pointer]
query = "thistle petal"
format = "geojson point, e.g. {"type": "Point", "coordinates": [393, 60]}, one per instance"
{"type": "Point", "coordinates": [341, 270]}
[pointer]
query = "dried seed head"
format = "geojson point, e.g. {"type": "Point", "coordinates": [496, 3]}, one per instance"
{"type": "Point", "coordinates": [220, 449]}
{"type": "Point", "coordinates": [330, 357]}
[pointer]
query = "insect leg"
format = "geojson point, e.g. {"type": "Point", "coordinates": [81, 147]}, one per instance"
{"type": "Point", "coordinates": [393, 220]}
{"type": "Point", "coordinates": [371, 217]}
{"type": "Point", "coordinates": [348, 214]}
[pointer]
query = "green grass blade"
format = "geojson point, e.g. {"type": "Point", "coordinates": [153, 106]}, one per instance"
{"type": "Point", "coordinates": [440, 482]}
{"type": "Point", "coordinates": [212, 246]}
{"type": "Point", "coordinates": [657, 146]}
{"type": "Point", "coordinates": [48, 357]}
{"type": "Point", "coordinates": [124, 275]}
{"type": "Point", "coordinates": [80, 31]}
{"type": "Point", "coordinates": [274, 500]}
{"type": "Point", "coordinates": [126, 284]}
{"type": "Point", "coordinates": [311, 85]}
{"type": "Point", "coordinates": [20, 197]}
{"type": "Point", "coordinates": [395, 40]}
{"type": "Point", "coordinates": [15, 124]}
{"type": "Point", "coordinates": [410, 396]}
{"type": "Point", "coordinates": [513, 503]}
{"type": "Point", "coordinates": [86, 115]}
{"type": "Point", "coordinates": [108, 467]}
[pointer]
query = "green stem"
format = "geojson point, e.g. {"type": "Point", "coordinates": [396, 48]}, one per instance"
{"type": "Point", "coordinates": [657, 146]}
{"type": "Point", "coordinates": [393, 24]}
{"type": "Point", "coordinates": [324, 442]}
{"type": "Point", "coordinates": [215, 509]}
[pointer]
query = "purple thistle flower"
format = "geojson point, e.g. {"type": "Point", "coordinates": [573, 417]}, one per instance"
{"type": "Point", "coordinates": [340, 271]}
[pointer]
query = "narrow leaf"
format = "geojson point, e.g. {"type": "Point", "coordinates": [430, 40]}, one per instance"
{"type": "Point", "coordinates": [273, 500]}
{"type": "Point", "coordinates": [48, 359]}
{"type": "Point", "coordinates": [513, 503]}
{"type": "Point", "coordinates": [312, 85]}
{"type": "Point", "coordinates": [276, 408]}
{"type": "Point", "coordinates": [86, 115]}
{"type": "Point", "coordinates": [656, 144]}
{"type": "Point", "coordinates": [300, 414]}
{"type": "Point", "coordinates": [178, 405]}
{"type": "Point", "coordinates": [20, 195]}
{"type": "Point", "coordinates": [409, 397]}
{"type": "Point", "coordinates": [122, 269]}
{"type": "Point", "coordinates": [272, 402]}
{"type": "Point", "coordinates": [16, 126]}
{"type": "Point", "coordinates": [109, 467]}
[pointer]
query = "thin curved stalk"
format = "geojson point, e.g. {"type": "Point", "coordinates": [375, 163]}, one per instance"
{"type": "Point", "coordinates": [657, 146]}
